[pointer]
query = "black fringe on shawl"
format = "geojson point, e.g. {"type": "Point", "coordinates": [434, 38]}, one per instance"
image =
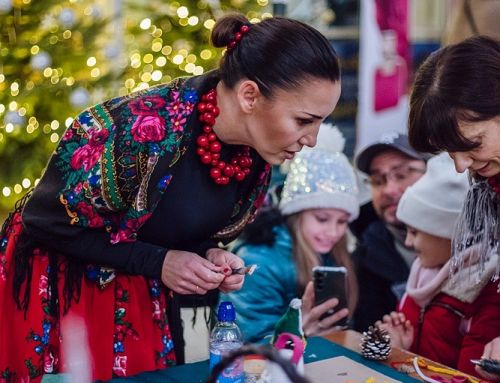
{"type": "Point", "coordinates": [23, 268]}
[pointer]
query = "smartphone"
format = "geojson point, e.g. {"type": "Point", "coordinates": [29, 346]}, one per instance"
{"type": "Point", "coordinates": [331, 282]}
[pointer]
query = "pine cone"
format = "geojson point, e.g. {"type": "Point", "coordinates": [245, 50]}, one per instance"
{"type": "Point", "coordinates": [375, 344]}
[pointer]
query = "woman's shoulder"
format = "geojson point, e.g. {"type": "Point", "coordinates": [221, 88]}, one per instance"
{"type": "Point", "coordinates": [175, 96]}
{"type": "Point", "coordinates": [155, 98]}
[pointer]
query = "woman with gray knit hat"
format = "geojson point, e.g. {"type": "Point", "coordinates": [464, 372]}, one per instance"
{"type": "Point", "coordinates": [444, 316]}
{"type": "Point", "coordinates": [318, 200]}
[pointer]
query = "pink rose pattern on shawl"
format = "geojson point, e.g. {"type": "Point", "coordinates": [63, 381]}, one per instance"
{"type": "Point", "coordinates": [148, 128]}
{"type": "Point", "coordinates": [150, 123]}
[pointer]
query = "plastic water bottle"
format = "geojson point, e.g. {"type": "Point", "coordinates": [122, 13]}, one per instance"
{"type": "Point", "coordinates": [225, 337]}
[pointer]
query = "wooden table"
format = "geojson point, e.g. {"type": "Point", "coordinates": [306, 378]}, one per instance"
{"type": "Point", "coordinates": [351, 339]}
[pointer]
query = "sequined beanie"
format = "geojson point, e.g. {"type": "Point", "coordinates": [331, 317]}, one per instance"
{"type": "Point", "coordinates": [319, 178]}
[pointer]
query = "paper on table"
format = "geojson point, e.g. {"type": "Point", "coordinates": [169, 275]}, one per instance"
{"type": "Point", "coordinates": [341, 369]}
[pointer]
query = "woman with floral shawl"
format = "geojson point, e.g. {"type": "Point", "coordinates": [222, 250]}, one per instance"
{"type": "Point", "coordinates": [139, 193]}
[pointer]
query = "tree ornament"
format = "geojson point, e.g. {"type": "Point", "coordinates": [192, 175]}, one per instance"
{"type": "Point", "coordinates": [14, 118]}
{"type": "Point", "coordinates": [79, 97]}
{"type": "Point", "coordinates": [375, 344]}
{"type": "Point", "coordinates": [48, 21]}
{"type": "Point", "coordinates": [41, 60]}
{"type": "Point", "coordinates": [95, 12]}
{"type": "Point", "coordinates": [5, 6]}
{"type": "Point", "coordinates": [67, 17]}
{"type": "Point", "coordinates": [112, 51]}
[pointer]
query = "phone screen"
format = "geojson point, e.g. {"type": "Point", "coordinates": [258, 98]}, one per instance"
{"type": "Point", "coordinates": [330, 282]}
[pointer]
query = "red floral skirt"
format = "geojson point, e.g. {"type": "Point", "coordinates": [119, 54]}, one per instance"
{"type": "Point", "coordinates": [126, 323]}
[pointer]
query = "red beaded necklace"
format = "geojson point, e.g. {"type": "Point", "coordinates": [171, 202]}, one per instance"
{"type": "Point", "coordinates": [209, 147]}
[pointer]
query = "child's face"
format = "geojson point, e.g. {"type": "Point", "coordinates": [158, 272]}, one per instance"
{"type": "Point", "coordinates": [433, 251]}
{"type": "Point", "coordinates": [323, 228]}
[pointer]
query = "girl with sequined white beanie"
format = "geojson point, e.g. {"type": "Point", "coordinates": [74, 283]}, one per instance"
{"type": "Point", "coordinates": [318, 200]}
{"type": "Point", "coordinates": [320, 178]}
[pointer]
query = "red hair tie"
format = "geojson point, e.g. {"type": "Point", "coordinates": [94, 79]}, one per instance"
{"type": "Point", "coordinates": [238, 36]}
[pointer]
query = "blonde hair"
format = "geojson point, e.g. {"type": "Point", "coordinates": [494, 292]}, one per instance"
{"type": "Point", "coordinates": [306, 258]}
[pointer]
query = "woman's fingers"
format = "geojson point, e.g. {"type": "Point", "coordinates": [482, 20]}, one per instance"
{"type": "Point", "coordinates": [232, 283]}
{"type": "Point", "coordinates": [207, 278]}
{"type": "Point", "coordinates": [227, 261]}
{"type": "Point", "coordinates": [224, 259]}
{"type": "Point", "coordinates": [190, 288]}
{"type": "Point", "coordinates": [188, 273]}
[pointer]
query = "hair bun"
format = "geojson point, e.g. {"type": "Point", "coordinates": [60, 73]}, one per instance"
{"type": "Point", "coordinates": [225, 28]}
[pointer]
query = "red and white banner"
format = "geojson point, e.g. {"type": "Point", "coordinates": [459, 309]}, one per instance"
{"type": "Point", "coordinates": [384, 59]}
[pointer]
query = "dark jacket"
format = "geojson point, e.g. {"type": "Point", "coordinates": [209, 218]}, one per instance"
{"type": "Point", "coordinates": [381, 273]}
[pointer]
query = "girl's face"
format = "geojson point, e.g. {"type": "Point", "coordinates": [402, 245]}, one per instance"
{"type": "Point", "coordinates": [485, 159]}
{"type": "Point", "coordinates": [280, 127]}
{"type": "Point", "coordinates": [323, 228]}
{"type": "Point", "coordinates": [433, 251]}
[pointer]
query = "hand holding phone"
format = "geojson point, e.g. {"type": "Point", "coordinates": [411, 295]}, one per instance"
{"type": "Point", "coordinates": [330, 282]}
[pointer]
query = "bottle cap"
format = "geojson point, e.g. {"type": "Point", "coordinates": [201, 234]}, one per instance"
{"type": "Point", "coordinates": [226, 312]}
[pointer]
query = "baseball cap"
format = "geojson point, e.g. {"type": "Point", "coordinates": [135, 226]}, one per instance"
{"type": "Point", "coordinates": [388, 141]}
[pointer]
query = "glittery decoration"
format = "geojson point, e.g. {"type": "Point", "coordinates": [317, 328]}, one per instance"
{"type": "Point", "coordinates": [319, 178]}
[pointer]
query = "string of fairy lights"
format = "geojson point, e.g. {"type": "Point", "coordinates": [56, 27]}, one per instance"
{"type": "Point", "coordinates": [144, 69]}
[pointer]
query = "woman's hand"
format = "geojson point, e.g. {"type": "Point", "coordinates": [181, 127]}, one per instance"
{"type": "Point", "coordinates": [311, 323]}
{"type": "Point", "coordinates": [188, 273]}
{"type": "Point", "coordinates": [227, 261]}
{"type": "Point", "coordinates": [399, 328]}
{"type": "Point", "coordinates": [491, 351]}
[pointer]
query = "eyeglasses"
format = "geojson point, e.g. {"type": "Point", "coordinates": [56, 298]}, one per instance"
{"type": "Point", "coordinates": [400, 175]}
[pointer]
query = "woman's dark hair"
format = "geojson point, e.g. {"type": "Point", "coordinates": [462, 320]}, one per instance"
{"type": "Point", "coordinates": [276, 53]}
{"type": "Point", "coordinates": [458, 83]}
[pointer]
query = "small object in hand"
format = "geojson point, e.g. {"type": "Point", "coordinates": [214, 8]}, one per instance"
{"type": "Point", "coordinates": [244, 270]}
{"type": "Point", "coordinates": [375, 344]}
{"type": "Point", "coordinates": [489, 365]}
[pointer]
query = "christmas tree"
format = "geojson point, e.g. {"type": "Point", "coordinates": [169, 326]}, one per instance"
{"type": "Point", "coordinates": [59, 57]}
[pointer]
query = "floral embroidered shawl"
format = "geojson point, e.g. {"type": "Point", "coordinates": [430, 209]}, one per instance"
{"type": "Point", "coordinates": [114, 162]}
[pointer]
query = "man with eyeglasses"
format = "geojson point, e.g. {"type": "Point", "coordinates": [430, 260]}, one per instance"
{"type": "Point", "coordinates": [382, 259]}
